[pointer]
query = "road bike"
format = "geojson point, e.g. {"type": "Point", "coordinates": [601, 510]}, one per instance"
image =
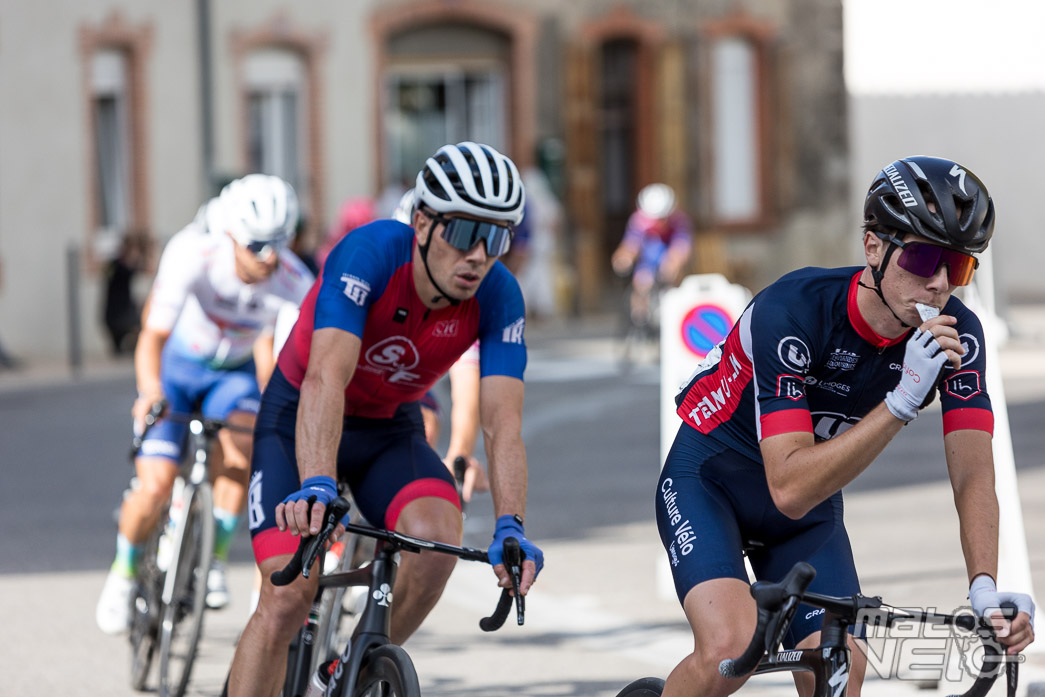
{"type": "Point", "coordinates": [829, 663]}
{"type": "Point", "coordinates": [370, 664]}
{"type": "Point", "coordinates": [169, 598]}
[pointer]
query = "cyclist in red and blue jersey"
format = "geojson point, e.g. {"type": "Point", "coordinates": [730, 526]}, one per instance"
{"type": "Point", "coordinates": [657, 243]}
{"type": "Point", "coordinates": [394, 307]}
{"type": "Point", "coordinates": [821, 371]}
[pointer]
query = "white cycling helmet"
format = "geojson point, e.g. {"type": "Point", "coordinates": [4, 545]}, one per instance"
{"type": "Point", "coordinates": [657, 201]}
{"type": "Point", "coordinates": [259, 208]}
{"type": "Point", "coordinates": [473, 179]}
{"type": "Point", "coordinates": [404, 211]}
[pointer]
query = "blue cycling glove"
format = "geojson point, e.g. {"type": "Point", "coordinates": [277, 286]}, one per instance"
{"type": "Point", "coordinates": [511, 526]}
{"type": "Point", "coordinates": [322, 487]}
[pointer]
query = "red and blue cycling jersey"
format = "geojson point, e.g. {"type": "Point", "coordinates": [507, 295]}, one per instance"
{"type": "Point", "coordinates": [366, 288]}
{"type": "Point", "coordinates": [652, 237]}
{"type": "Point", "coordinates": [802, 358]}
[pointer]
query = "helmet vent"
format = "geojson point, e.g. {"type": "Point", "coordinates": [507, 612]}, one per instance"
{"type": "Point", "coordinates": [965, 209]}
{"type": "Point", "coordinates": [932, 204]}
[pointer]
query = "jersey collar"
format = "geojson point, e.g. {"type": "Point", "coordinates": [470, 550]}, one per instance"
{"type": "Point", "coordinates": [860, 324]}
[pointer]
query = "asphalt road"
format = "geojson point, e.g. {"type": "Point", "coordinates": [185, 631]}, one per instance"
{"type": "Point", "coordinates": [591, 436]}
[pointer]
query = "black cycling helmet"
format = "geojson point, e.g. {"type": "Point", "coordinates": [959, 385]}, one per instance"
{"type": "Point", "coordinates": [963, 215]}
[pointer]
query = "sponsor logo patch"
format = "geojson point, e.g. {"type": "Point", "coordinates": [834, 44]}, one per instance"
{"type": "Point", "coordinates": [790, 386]}
{"type": "Point", "coordinates": [356, 289]}
{"type": "Point", "coordinates": [793, 353]}
{"type": "Point", "coordinates": [964, 385]}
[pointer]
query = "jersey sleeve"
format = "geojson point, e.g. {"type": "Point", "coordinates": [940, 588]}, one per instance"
{"type": "Point", "coordinates": [502, 323]}
{"type": "Point", "coordinates": [781, 351]}
{"type": "Point", "coordinates": [355, 274]}
{"type": "Point", "coordinates": [181, 264]}
{"type": "Point", "coordinates": [963, 392]}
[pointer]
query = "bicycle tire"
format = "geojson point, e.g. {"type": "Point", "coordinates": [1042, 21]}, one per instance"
{"type": "Point", "coordinates": [643, 687]}
{"type": "Point", "coordinates": [387, 671]}
{"type": "Point", "coordinates": [182, 621]}
{"type": "Point", "coordinates": [145, 624]}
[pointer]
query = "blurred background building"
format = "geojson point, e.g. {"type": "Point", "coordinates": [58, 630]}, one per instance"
{"type": "Point", "coordinates": [121, 117]}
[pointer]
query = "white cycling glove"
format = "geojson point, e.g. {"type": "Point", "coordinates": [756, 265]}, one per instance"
{"type": "Point", "coordinates": [985, 598]}
{"type": "Point", "coordinates": [923, 362]}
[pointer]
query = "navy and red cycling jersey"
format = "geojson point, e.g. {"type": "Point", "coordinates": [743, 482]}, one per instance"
{"type": "Point", "coordinates": [802, 358]}
{"type": "Point", "coordinates": [367, 288]}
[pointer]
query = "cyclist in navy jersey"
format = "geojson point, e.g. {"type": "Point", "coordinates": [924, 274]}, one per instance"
{"type": "Point", "coordinates": [393, 308]}
{"type": "Point", "coordinates": [821, 371]}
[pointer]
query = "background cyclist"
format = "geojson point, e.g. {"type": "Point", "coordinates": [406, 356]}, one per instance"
{"type": "Point", "coordinates": [394, 307]}
{"type": "Point", "coordinates": [207, 342]}
{"type": "Point", "coordinates": [823, 369]}
{"type": "Point", "coordinates": [657, 243]}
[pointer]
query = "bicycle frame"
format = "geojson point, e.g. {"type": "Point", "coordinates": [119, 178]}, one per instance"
{"type": "Point", "coordinates": [202, 436]}
{"type": "Point", "coordinates": [375, 623]}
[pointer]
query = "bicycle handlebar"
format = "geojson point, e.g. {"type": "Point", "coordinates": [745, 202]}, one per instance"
{"type": "Point", "coordinates": [210, 426]}
{"type": "Point", "coordinates": [776, 603]}
{"type": "Point", "coordinates": [773, 600]}
{"type": "Point", "coordinates": [309, 548]}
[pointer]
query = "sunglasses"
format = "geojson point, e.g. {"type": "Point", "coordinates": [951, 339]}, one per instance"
{"type": "Point", "coordinates": [464, 233]}
{"type": "Point", "coordinates": [923, 259]}
{"type": "Point", "coordinates": [263, 249]}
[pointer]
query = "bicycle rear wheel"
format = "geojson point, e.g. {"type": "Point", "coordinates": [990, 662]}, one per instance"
{"type": "Point", "coordinates": [643, 687]}
{"type": "Point", "coordinates": [145, 612]}
{"type": "Point", "coordinates": [387, 671]}
{"type": "Point", "coordinates": [182, 622]}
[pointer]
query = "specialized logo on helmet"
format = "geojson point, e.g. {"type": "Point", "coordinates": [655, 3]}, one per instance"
{"type": "Point", "coordinates": [957, 171]}
{"type": "Point", "coordinates": [396, 355]}
{"type": "Point", "coordinates": [356, 289]}
{"type": "Point", "coordinates": [904, 192]}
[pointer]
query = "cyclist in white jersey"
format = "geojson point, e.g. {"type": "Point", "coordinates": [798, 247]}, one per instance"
{"type": "Point", "coordinates": [207, 344]}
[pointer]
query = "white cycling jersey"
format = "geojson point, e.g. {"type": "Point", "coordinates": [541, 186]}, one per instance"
{"type": "Point", "coordinates": [212, 316]}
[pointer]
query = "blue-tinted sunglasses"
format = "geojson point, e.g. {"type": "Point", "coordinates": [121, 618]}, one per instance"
{"type": "Point", "coordinates": [464, 233]}
{"type": "Point", "coordinates": [262, 249]}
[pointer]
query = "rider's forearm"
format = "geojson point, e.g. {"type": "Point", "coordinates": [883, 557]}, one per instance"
{"type": "Point", "coordinates": [147, 360]}
{"type": "Point", "coordinates": [319, 423]}
{"type": "Point", "coordinates": [802, 474]}
{"type": "Point", "coordinates": [508, 472]}
{"type": "Point", "coordinates": [970, 463]}
{"type": "Point", "coordinates": [464, 408]}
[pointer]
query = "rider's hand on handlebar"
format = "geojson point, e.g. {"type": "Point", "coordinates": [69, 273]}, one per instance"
{"type": "Point", "coordinates": [474, 476]}
{"type": "Point", "coordinates": [986, 601]}
{"type": "Point", "coordinates": [302, 512]}
{"type": "Point", "coordinates": [533, 562]}
{"type": "Point", "coordinates": [142, 406]}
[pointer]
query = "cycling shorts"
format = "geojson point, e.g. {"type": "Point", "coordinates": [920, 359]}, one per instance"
{"type": "Point", "coordinates": [188, 386]}
{"type": "Point", "coordinates": [386, 464]}
{"type": "Point", "coordinates": [712, 502]}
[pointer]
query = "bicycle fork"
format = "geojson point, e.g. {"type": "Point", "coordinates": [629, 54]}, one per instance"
{"type": "Point", "coordinates": [374, 624]}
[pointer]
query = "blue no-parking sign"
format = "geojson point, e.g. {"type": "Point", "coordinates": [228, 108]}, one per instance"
{"type": "Point", "coordinates": [704, 327]}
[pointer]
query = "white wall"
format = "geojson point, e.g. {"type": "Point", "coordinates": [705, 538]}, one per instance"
{"type": "Point", "coordinates": [964, 80]}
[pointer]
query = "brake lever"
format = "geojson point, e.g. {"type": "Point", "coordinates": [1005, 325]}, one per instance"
{"type": "Point", "coordinates": [513, 556]}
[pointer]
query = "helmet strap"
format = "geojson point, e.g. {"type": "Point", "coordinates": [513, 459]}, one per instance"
{"type": "Point", "coordinates": [878, 274]}
{"type": "Point", "coordinates": [423, 248]}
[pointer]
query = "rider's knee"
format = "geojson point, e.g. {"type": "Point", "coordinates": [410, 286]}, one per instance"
{"type": "Point", "coordinates": [282, 609]}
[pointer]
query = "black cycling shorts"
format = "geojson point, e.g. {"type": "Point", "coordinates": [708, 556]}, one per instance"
{"type": "Point", "coordinates": [711, 502]}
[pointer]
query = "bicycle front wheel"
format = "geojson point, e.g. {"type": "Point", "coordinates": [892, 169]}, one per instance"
{"type": "Point", "coordinates": [643, 687]}
{"type": "Point", "coordinates": [387, 671]}
{"type": "Point", "coordinates": [182, 622]}
{"type": "Point", "coordinates": [145, 613]}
